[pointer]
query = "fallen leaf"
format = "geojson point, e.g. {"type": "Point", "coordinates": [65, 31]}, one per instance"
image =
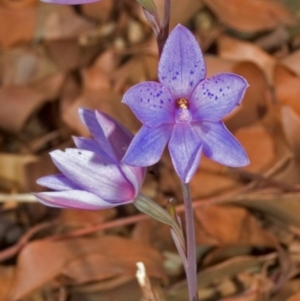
{"type": "Point", "coordinates": [234, 49]}
{"type": "Point", "coordinates": [287, 87]}
{"type": "Point", "coordinates": [251, 15]}
{"type": "Point", "coordinates": [241, 227]}
{"type": "Point", "coordinates": [60, 22]}
{"type": "Point", "coordinates": [43, 260]}
{"type": "Point", "coordinates": [22, 21]}
{"type": "Point", "coordinates": [16, 106]}
{"type": "Point", "coordinates": [291, 61]}
{"type": "Point", "coordinates": [100, 10]}
{"type": "Point", "coordinates": [283, 206]}
{"type": "Point", "coordinates": [291, 127]}
{"type": "Point", "coordinates": [6, 278]}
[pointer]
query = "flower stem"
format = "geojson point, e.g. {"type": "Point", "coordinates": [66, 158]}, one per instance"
{"type": "Point", "coordinates": [164, 32]}
{"type": "Point", "coordinates": [191, 269]}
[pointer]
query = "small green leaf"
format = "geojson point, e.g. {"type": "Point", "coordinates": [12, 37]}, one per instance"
{"type": "Point", "coordinates": [149, 5]}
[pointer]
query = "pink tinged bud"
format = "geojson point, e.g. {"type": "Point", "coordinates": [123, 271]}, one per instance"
{"type": "Point", "coordinates": [92, 176]}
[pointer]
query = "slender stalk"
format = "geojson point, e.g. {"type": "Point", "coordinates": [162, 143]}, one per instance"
{"type": "Point", "coordinates": [164, 32]}
{"type": "Point", "coordinates": [191, 269]}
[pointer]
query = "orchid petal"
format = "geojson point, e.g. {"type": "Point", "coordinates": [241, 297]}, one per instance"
{"type": "Point", "coordinates": [181, 66]}
{"type": "Point", "coordinates": [185, 150]}
{"type": "Point", "coordinates": [89, 119]}
{"type": "Point", "coordinates": [78, 199]}
{"type": "Point", "coordinates": [220, 145]}
{"type": "Point", "coordinates": [115, 133]}
{"type": "Point", "coordinates": [135, 175]}
{"type": "Point", "coordinates": [147, 146]}
{"type": "Point", "coordinates": [93, 146]}
{"type": "Point", "coordinates": [151, 102]}
{"type": "Point", "coordinates": [57, 182]}
{"type": "Point", "coordinates": [217, 96]}
{"type": "Point", "coordinates": [89, 172]}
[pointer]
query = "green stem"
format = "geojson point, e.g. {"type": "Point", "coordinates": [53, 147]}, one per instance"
{"type": "Point", "coordinates": [191, 269]}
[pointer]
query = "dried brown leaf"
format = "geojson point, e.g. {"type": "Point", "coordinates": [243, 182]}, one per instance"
{"type": "Point", "coordinates": [283, 206]}
{"type": "Point", "coordinates": [287, 87]}
{"type": "Point", "coordinates": [100, 10]}
{"type": "Point", "coordinates": [259, 146]}
{"type": "Point", "coordinates": [56, 22]}
{"type": "Point", "coordinates": [291, 127]}
{"type": "Point", "coordinates": [43, 260]}
{"type": "Point", "coordinates": [16, 106]}
{"type": "Point", "coordinates": [21, 66]}
{"type": "Point", "coordinates": [251, 15]}
{"type": "Point", "coordinates": [6, 278]}
{"type": "Point", "coordinates": [292, 62]}
{"type": "Point", "coordinates": [20, 24]}
{"type": "Point", "coordinates": [234, 49]}
{"type": "Point", "coordinates": [230, 226]}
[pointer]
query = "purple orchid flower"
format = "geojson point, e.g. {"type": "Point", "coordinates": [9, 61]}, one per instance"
{"type": "Point", "coordinates": [185, 110]}
{"type": "Point", "coordinates": [92, 175]}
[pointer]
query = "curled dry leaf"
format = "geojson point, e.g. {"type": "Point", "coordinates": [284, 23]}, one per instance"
{"type": "Point", "coordinates": [241, 227]}
{"type": "Point", "coordinates": [235, 49]}
{"type": "Point", "coordinates": [249, 15]}
{"type": "Point", "coordinates": [79, 259]}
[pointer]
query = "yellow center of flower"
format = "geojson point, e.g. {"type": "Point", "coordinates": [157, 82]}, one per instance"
{"type": "Point", "coordinates": [183, 113]}
{"type": "Point", "coordinates": [182, 103]}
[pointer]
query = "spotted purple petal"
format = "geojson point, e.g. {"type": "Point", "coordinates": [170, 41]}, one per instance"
{"type": "Point", "coordinates": [185, 150]}
{"type": "Point", "coordinates": [151, 102]}
{"type": "Point", "coordinates": [77, 199]}
{"type": "Point", "coordinates": [220, 145]}
{"type": "Point", "coordinates": [147, 146]}
{"type": "Point", "coordinates": [181, 66]}
{"type": "Point", "coordinates": [89, 172]}
{"type": "Point", "coordinates": [217, 96]}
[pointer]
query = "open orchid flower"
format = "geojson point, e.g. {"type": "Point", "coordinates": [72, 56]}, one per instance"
{"type": "Point", "coordinates": [185, 110]}
{"type": "Point", "coordinates": [92, 175]}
